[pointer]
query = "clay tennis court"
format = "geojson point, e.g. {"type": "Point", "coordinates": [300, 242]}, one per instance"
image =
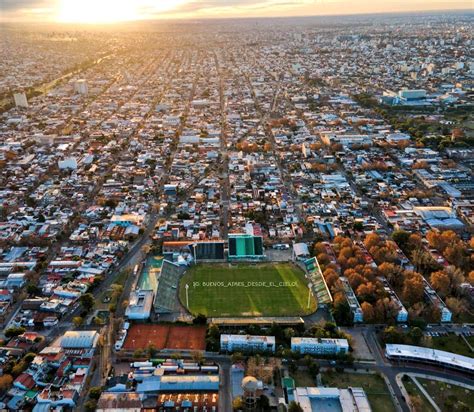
{"type": "Point", "coordinates": [166, 337]}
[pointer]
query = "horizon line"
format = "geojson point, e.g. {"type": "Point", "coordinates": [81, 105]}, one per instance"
{"type": "Point", "coordinates": [181, 19]}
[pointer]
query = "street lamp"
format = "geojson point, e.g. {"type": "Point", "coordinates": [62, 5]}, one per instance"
{"type": "Point", "coordinates": [187, 295]}
{"type": "Point", "coordinates": [194, 252]}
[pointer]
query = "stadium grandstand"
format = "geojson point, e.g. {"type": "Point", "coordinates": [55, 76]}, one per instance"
{"type": "Point", "coordinates": [320, 288]}
{"type": "Point", "coordinates": [245, 246]}
{"type": "Point", "coordinates": [199, 250]}
{"type": "Point", "coordinates": [166, 298]}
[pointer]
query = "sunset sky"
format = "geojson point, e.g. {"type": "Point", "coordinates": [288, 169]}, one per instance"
{"type": "Point", "coordinates": [110, 11]}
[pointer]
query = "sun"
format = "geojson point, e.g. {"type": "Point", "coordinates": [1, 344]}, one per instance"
{"type": "Point", "coordinates": [112, 11]}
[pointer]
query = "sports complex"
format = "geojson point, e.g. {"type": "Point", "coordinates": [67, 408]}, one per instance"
{"type": "Point", "coordinates": [246, 290]}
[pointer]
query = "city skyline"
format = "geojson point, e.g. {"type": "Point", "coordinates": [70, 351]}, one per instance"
{"type": "Point", "coordinates": [115, 11]}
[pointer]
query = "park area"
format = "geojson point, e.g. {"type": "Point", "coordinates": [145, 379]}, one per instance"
{"type": "Point", "coordinates": [449, 397]}
{"type": "Point", "coordinates": [165, 336]}
{"type": "Point", "coordinates": [234, 290]}
{"type": "Point", "coordinates": [374, 386]}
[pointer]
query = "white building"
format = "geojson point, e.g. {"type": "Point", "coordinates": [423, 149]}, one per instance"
{"type": "Point", "coordinates": [432, 297]}
{"type": "Point", "coordinates": [83, 339]}
{"type": "Point", "coordinates": [428, 355]}
{"type": "Point", "coordinates": [140, 305]}
{"type": "Point", "coordinates": [20, 99]}
{"type": "Point", "coordinates": [320, 346]}
{"type": "Point", "coordinates": [356, 310]}
{"type": "Point", "coordinates": [402, 315]}
{"type": "Point", "coordinates": [247, 343]}
{"type": "Point", "coordinates": [80, 86]}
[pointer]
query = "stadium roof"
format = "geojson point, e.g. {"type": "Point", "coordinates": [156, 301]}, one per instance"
{"type": "Point", "coordinates": [430, 355]}
{"type": "Point", "coordinates": [290, 320]}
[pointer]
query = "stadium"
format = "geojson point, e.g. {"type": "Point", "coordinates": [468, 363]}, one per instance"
{"type": "Point", "coordinates": [246, 290]}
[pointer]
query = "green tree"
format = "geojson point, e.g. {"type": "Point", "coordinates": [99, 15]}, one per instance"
{"type": "Point", "coordinates": [237, 404]}
{"type": "Point", "coordinates": [77, 321]}
{"type": "Point", "coordinates": [294, 407]}
{"type": "Point", "coordinates": [14, 331]}
{"type": "Point", "coordinates": [237, 357]}
{"type": "Point", "coordinates": [95, 392]}
{"type": "Point", "coordinates": [415, 335]}
{"type": "Point", "coordinates": [87, 301]}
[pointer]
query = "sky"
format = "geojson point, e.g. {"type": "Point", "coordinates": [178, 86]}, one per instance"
{"type": "Point", "coordinates": [110, 11]}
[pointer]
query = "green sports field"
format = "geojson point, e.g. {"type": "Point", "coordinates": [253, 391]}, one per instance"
{"type": "Point", "coordinates": [263, 289]}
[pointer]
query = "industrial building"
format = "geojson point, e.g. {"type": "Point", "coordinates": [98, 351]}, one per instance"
{"type": "Point", "coordinates": [247, 343]}
{"type": "Point", "coordinates": [319, 346]}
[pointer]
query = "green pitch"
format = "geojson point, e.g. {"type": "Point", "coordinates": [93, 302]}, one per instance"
{"type": "Point", "coordinates": [263, 289]}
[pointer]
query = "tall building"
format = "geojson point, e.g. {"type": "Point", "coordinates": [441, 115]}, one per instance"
{"type": "Point", "coordinates": [20, 99]}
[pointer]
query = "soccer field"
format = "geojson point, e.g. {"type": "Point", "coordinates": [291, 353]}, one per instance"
{"type": "Point", "coordinates": [263, 289]}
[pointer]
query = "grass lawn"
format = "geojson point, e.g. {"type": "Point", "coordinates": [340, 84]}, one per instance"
{"type": "Point", "coordinates": [448, 397]}
{"type": "Point", "coordinates": [303, 378]}
{"type": "Point", "coordinates": [373, 385]}
{"type": "Point", "coordinates": [263, 289]}
{"type": "Point", "coordinates": [414, 392]}
{"type": "Point", "coordinates": [451, 343]}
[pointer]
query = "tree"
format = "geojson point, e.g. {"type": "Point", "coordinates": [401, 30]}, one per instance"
{"type": "Point", "coordinates": [197, 356]}
{"type": "Point", "coordinates": [413, 289]}
{"type": "Point", "coordinates": [455, 305]}
{"type": "Point", "coordinates": [95, 392]}
{"type": "Point", "coordinates": [289, 333]}
{"type": "Point", "coordinates": [392, 273]}
{"type": "Point", "coordinates": [368, 311]}
{"type": "Point", "coordinates": [200, 319]}
{"type": "Point", "coordinates": [87, 301]}
{"type": "Point", "coordinates": [292, 366]}
{"type": "Point", "coordinates": [313, 369]}
{"type": "Point", "coordinates": [12, 332]}
{"type": "Point", "coordinates": [138, 354]}
{"type": "Point", "coordinates": [263, 404]}
{"type": "Point", "coordinates": [392, 335]}
{"type": "Point", "coordinates": [237, 404]}
{"type": "Point", "coordinates": [470, 278]}
{"type": "Point", "coordinates": [415, 335]}
{"type": "Point", "coordinates": [237, 357]}
{"type": "Point", "coordinates": [423, 261]}
{"type": "Point", "coordinates": [151, 350]}
{"type": "Point", "coordinates": [77, 321]}
{"type": "Point", "coordinates": [5, 382]}
{"type": "Point", "coordinates": [440, 282]}
{"type": "Point", "coordinates": [90, 405]}
{"type": "Point", "coordinates": [456, 277]}
{"type": "Point", "coordinates": [342, 313]}
{"type": "Point", "coordinates": [294, 407]}
{"type": "Point", "coordinates": [401, 238]}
